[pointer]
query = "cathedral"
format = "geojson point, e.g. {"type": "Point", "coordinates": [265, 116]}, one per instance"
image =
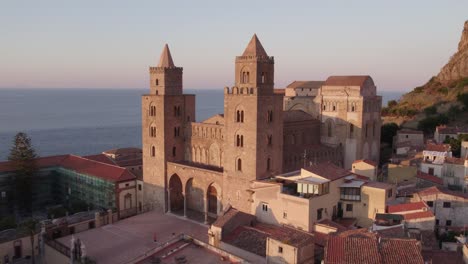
{"type": "Point", "coordinates": [209, 166]}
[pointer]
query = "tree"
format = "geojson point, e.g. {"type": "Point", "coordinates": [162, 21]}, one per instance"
{"type": "Point", "coordinates": [431, 110]}
{"type": "Point", "coordinates": [22, 157]}
{"type": "Point", "coordinates": [387, 132]}
{"type": "Point", "coordinates": [30, 227]}
{"type": "Point", "coordinates": [392, 103]}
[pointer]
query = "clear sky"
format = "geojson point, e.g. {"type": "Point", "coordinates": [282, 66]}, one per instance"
{"type": "Point", "coordinates": [111, 43]}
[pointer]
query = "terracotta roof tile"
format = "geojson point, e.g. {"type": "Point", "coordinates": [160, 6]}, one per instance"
{"type": "Point", "coordinates": [357, 80]}
{"type": "Point", "coordinates": [452, 160]}
{"type": "Point", "coordinates": [418, 215]}
{"type": "Point", "coordinates": [81, 165]}
{"type": "Point", "coordinates": [328, 170]}
{"type": "Point", "coordinates": [380, 185]}
{"type": "Point", "coordinates": [438, 147]}
{"type": "Point", "coordinates": [440, 190]}
{"type": "Point", "coordinates": [431, 178]}
{"type": "Point", "coordinates": [406, 207]}
{"type": "Point", "coordinates": [100, 158]}
{"type": "Point", "coordinates": [399, 251]}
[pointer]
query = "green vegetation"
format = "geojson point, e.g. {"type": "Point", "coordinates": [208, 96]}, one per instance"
{"type": "Point", "coordinates": [455, 144]}
{"type": "Point", "coordinates": [462, 83]}
{"type": "Point", "coordinates": [392, 103]}
{"type": "Point", "coordinates": [22, 156]}
{"type": "Point", "coordinates": [387, 132]}
{"type": "Point", "coordinates": [7, 222]}
{"type": "Point", "coordinates": [431, 110]}
{"type": "Point", "coordinates": [443, 90]}
{"type": "Point", "coordinates": [429, 124]}
{"type": "Point", "coordinates": [463, 98]}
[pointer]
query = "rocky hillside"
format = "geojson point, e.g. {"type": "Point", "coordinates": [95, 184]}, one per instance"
{"type": "Point", "coordinates": [442, 96]}
{"type": "Point", "coordinates": [457, 67]}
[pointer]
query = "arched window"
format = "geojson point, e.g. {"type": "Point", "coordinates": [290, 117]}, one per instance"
{"type": "Point", "coordinates": [263, 78]}
{"type": "Point", "coordinates": [173, 151]}
{"type": "Point", "coordinates": [175, 110]}
{"type": "Point", "coordinates": [240, 140]}
{"type": "Point", "coordinates": [239, 164]}
{"type": "Point", "coordinates": [270, 116]}
{"type": "Point", "coordinates": [157, 81]}
{"type": "Point", "coordinates": [351, 130]}
{"type": "Point", "coordinates": [240, 116]}
{"type": "Point", "coordinates": [334, 107]}
{"type": "Point", "coordinates": [152, 131]}
{"type": "Point", "coordinates": [152, 110]}
{"type": "Point", "coordinates": [324, 107]}
{"type": "Point", "coordinates": [270, 140]}
{"type": "Point", "coordinates": [329, 129]}
{"type": "Point", "coordinates": [248, 77]}
{"type": "Point", "coordinates": [268, 164]}
{"type": "Point", "coordinates": [367, 130]}
{"type": "Point", "coordinates": [153, 151]}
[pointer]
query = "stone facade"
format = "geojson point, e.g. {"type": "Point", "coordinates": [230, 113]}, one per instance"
{"type": "Point", "coordinates": [210, 165]}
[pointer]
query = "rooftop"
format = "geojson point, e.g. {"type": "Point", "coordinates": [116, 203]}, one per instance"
{"type": "Point", "coordinates": [305, 84]}
{"type": "Point", "coordinates": [370, 162]}
{"type": "Point", "coordinates": [356, 80]}
{"type": "Point", "coordinates": [406, 207]}
{"type": "Point", "coordinates": [438, 147]}
{"type": "Point", "coordinates": [441, 190]}
{"type": "Point", "coordinates": [419, 215]}
{"type": "Point", "coordinates": [328, 170]}
{"type": "Point", "coordinates": [360, 246]}
{"type": "Point", "coordinates": [409, 131]}
{"type": "Point", "coordinates": [430, 178]}
{"type": "Point", "coordinates": [379, 185]}
{"type": "Point", "coordinates": [79, 164]}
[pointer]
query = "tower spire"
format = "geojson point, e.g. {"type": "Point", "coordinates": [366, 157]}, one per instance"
{"type": "Point", "coordinates": [254, 48]}
{"type": "Point", "coordinates": [166, 59]}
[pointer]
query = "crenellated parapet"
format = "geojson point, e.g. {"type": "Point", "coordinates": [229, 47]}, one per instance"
{"type": "Point", "coordinates": [206, 131]}
{"type": "Point", "coordinates": [165, 69]}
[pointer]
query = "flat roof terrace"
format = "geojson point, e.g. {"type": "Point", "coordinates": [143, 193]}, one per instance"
{"type": "Point", "coordinates": [131, 238]}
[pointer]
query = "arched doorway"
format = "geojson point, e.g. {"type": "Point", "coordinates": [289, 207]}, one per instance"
{"type": "Point", "coordinates": [212, 200]}
{"type": "Point", "coordinates": [176, 196]}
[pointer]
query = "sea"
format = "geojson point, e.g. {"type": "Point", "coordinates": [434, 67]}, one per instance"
{"type": "Point", "coordinates": [88, 121]}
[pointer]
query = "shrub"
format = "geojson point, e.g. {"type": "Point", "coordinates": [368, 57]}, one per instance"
{"type": "Point", "coordinates": [387, 132]}
{"type": "Point", "coordinates": [392, 103]}
{"type": "Point", "coordinates": [462, 83]}
{"type": "Point", "coordinates": [431, 110]}
{"type": "Point", "coordinates": [419, 89]}
{"type": "Point", "coordinates": [429, 124]}
{"type": "Point", "coordinates": [443, 90]}
{"type": "Point", "coordinates": [463, 98]}
{"type": "Point", "coordinates": [7, 222]}
{"type": "Point", "coordinates": [453, 112]}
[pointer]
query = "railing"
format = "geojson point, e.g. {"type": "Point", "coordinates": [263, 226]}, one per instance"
{"type": "Point", "coordinates": [59, 247]}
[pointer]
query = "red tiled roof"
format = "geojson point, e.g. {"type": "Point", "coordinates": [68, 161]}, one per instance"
{"type": "Point", "coordinates": [100, 158]}
{"type": "Point", "coordinates": [98, 169]}
{"type": "Point", "coordinates": [418, 215]}
{"type": "Point", "coordinates": [279, 91]}
{"type": "Point", "coordinates": [399, 251]}
{"type": "Point", "coordinates": [331, 223]}
{"type": "Point", "coordinates": [81, 165]}
{"type": "Point", "coordinates": [453, 160]}
{"type": "Point", "coordinates": [360, 246]}
{"type": "Point", "coordinates": [370, 162]}
{"type": "Point", "coordinates": [328, 170]}
{"type": "Point", "coordinates": [438, 147]}
{"type": "Point", "coordinates": [427, 177]}
{"type": "Point", "coordinates": [440, 190]}
{"type": "Point", "coordinates": [357, 80]}
{"type": "Point", "coordinates": [406, 207]}
{"type": "Point", "coordinates": [380, 185]}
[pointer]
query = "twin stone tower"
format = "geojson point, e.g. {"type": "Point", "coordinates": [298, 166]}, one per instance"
{"type": "Point", "coordinates": [207, 167]}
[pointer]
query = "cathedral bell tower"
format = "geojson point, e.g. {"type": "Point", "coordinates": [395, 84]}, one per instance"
{"type": "Point", "coordinates": [253, 116]}
{"type": "Point", "coordinates": [166, 111]}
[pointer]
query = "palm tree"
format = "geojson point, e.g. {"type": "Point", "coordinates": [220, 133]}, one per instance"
{"type": "Point", "coordinates": [30, 227]}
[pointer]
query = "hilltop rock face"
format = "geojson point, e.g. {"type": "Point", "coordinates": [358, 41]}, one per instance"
{"type": "Point", "coordinates": [457, 67]}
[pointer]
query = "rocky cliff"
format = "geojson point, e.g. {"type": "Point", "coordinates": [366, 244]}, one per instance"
{"type": "Point", "coordinates": [457, 67]}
